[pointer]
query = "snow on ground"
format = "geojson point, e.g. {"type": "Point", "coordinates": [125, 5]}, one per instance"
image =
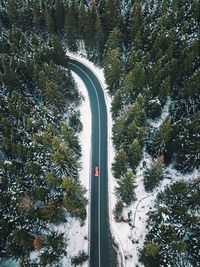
{"type": "Point", "coordinates": [77, 235]}
{"type": "Point", "coordinates": [85, 135]}
{"type": "Point", "coordinates": [111, 181]}
{"type": "Point", "coordinates": [133, 234]}
{"type": "Point", "coordinates": [165, 112]}
{"type": "Point", "coordinates": [130, 234]}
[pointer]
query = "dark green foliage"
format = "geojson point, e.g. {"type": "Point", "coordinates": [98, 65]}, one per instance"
{"type": "Point", "coordinates": [54, 249]}
{"type": "Point", "coordinates": [70, 29]}
{"type": "Point", "coordinates": [134, 82]}
{"type": "Point", "coordinates": [98, 40]}
{"type": "Point", "coordinates": [75, 122]}
{"type": "Point", "coordinates": [37, 143]}
{"type": "Point", "coordinates": [174, 227]}
{"type": "Point", "coordinates": [59, 16]}
{"type": "Point", "coordinates": [137, 112]}
{"type": "Point", "coordinates": [136, 21]}
{"type": "Point", "coordinates": [162, 137]}
{"type": "Point", "coordinates": [153, 176]}
{"type": "Point", "coordinates": [120, 164]}
{"type": "Point", "coordinates": [150, 254]}
{"type": "Point", "coordinates": [154, 109]}
{"type": "Point", "coordinates": [187, 143]}
{"type": "Point", "coordinates": [135, 153]}
{"type": "Point", "coordinates": [151, 54]}
{"type": "Point", "coordinates": [119, 131]}
{"type": "Point", "coordinates": [160, 140]}
{"type": "Point", "coordinates": [129, 133]}
{"type": "Point", "coordinates": [118, 211]}
{"type": "Point", "coordinates": [114, 40]}
{"type": "Point", "coordinates": [20, 244]}
{"type": "Point", "coordinates": [112, 69]}
{"type": "Point", "coordinates": [90, 22]}
{"type": "Point", "coordinates": [125, 188]}
{"type": "Point", "coordinates": [73, 199]}
{"type": "Point", "coordinates": [80, 259]}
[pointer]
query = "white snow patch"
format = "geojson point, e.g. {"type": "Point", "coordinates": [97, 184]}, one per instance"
{"type": "Point", "coordinates": [85, 135]}
{"type": "Point", "coordinates": [78, 236]}
{"type": "Point", "coordinates": [75, 236]}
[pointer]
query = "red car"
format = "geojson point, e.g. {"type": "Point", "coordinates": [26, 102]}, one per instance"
{"type": "Point", "coordinates": [96, 171]}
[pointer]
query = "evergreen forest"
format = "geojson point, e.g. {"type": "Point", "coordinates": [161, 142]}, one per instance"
{"type": "Point", "coordinates": [150, 52]}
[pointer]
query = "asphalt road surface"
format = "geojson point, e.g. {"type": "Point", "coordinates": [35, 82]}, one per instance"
{"type": "Point", "coordinates": [102, 253]}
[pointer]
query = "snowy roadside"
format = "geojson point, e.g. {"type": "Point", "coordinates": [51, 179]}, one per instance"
{"type": "Point", "coordinates": [116, 232]}
{"type": "Point", "coordinates": [130, 238]}
{"type": "Point", "coordinates": [77, 235]}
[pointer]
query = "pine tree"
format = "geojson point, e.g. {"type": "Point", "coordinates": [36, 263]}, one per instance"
{"type": "Point", "coordinates": [134, 82]}
{"type": "Point", "coordinates": [74, 200]}
{"type": "Point", "coordinates": [137, 113]}
{"type": "Point", "coordinates": [81, 20]}
{"type": "Point", "coordinates": [59, 14]}
{"type": "Point", "coordinates": [12, 11]}
{"type": "Point", "coordinates": [51, 93]}
{"type": "Point", "coordinates": [52, 212]}
{"type": "Point", "coordinates": [135, 153]}
{"type": "Point", "coordinates": [151, 249]}
{"type": "Point", "coordinates": [152, 177]}
{"type": "Point", "coordinates": [132, 131]}
{"type": "Point", "coordinates": [113, 16]}
{"type": "Point", "coordinates": [117, 104]}
{"type": "Point", "coordinates": [99, 39]}
{"type": "Point", "coordinates": [38, 21]}
{"type": "Point", "coordinates": [59, 55]}
{"type": "Point", "coordinates": [70, 29]}
{"type": "Point", "coordinates": [118, 211]}
{"type": "Point", "coordinates": [162, 137]}
{"type": "Point", "coordinates": [48, 20]}
{"type": "Point", "coordinates": [120, 164]}
{"type": "Point", "coordinates": [187, 143]}
{"type": "Point", "coordinates": [125, 188]}
{"type": "Point", "coordinates": [80, 258]}
{"type": "Point", "coordinates": [137, 19]}
{"type": "Point", "coordinates": [150, 254]}
{"type": "Point", "coordinates": [64, 160]}
{"type": "Point", "coordinates": [113, 69]}
{"type": "Point", "coordinates": [55, 248]}
{"type": "Point", "coordinates": [114, 41]}
{"type": "Point", "coordinates": [119, 131]}
{"type": "Point", "coordinates": [164, 90]}
{"type": "Point", "coordinates": [90, 30]}
{"type": "Point", "coordinates": [52, 180]}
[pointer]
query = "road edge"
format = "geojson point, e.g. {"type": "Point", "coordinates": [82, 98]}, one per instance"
{"type": "Point", "coordinates": [118, 247]}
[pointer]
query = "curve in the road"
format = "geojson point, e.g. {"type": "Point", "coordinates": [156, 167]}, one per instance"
{"type": "Point", "coordinates": [102, 253]}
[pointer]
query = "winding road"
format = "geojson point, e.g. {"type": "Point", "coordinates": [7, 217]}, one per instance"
{"type": "Point", "coordinates": [102, 253]}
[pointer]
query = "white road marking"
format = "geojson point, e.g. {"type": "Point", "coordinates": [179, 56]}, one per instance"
{"type": "Point", "coordinates": [99, 155]}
